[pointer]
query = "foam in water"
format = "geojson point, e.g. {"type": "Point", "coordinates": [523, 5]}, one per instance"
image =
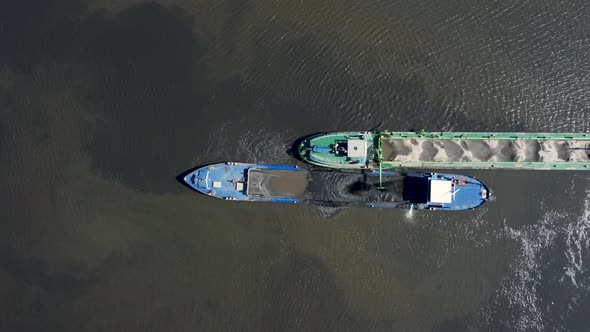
{"type": "Point", "coordinates": [578, 244]}
{"type": "Point", "coordinates": [329, 212]}
{"type": "Point", "coordinates": [521, 289]}
{"type": "Point", "coordinates": [524, 288]}
{"type": "Point", "coordinates": [410, 213]}
{"type": "Point", "coordinates": [263, 146]}
{"type": "Point", "coordinates": [259, 146]}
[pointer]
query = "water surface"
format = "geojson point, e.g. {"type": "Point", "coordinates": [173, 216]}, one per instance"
{"type": "Point", "coordinates": [103, 103]}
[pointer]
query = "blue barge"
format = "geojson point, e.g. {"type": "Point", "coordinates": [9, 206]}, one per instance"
{"type": "Point", "coordinates": [355, 188]}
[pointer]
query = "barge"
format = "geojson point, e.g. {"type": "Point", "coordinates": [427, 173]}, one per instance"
{"type": "Point", "coordinates": [353, 188]}
{"type": "Point", "coordinates": [446, 150]}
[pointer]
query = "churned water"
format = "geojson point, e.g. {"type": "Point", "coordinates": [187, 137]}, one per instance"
{"type": "Point", "coordinates": [104, 103]}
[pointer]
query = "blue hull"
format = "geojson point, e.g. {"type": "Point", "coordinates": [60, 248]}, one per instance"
{"type": "Point", "coordinates": [290, 184]}
{"type": "Point", "coordinates": [228, 181]}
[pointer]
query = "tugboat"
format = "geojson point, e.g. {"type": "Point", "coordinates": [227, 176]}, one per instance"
{"type": "Point", "coordinates": [355, 188]}
{"type": "Point", "coordinates": [436, 150]}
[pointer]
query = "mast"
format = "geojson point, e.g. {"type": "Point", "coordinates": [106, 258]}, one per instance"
{"type": "Point", "coordinates": [379, 160]}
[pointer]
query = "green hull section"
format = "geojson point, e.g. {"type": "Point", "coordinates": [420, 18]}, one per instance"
{"type": "Point", "coordinates": [430, 150]}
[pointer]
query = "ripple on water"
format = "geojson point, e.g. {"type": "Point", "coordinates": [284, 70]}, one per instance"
{"type": "Point", "coordinates": [253, 146]}
{"type": "Point", "coordinates": [540, 280]}
{"type": "Point", "coordinates": [578, 244]}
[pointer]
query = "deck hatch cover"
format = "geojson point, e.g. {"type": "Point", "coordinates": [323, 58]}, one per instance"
{"type": "Point", "coordinates": [441, 191]}
{"type": "Point", "coordinates": [357, 148]}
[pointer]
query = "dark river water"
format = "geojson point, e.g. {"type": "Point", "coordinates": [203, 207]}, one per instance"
{"type": "Point", "coordinates": [104, 103]}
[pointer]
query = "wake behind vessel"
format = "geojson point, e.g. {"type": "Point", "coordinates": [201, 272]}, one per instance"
{"type": "Point", "coordinates": [462, 150]}
{"type": "Point", "coordinates": [361, 188]}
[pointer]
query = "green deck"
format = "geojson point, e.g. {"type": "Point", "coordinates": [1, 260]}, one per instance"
{"type": "Point", "coordinates": [467, 150]}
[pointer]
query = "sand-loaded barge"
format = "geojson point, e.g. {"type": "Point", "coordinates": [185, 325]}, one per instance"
{"type": "Point", "coordinates": [448, 150]}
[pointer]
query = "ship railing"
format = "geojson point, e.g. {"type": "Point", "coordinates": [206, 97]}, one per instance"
{"type": "Point", "coordinates": [487, 135]}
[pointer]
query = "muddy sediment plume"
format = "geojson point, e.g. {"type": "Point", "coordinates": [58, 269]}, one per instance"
{"type": "Point", "coordinates": [268, 183]}
{"type": "Point", "coordinates": [353, 189]}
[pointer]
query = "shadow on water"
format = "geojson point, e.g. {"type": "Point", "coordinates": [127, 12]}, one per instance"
{"type": "Point", "coordinates": [140, 72]}
{"type": "Point", "coordinates": [150, 94]}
